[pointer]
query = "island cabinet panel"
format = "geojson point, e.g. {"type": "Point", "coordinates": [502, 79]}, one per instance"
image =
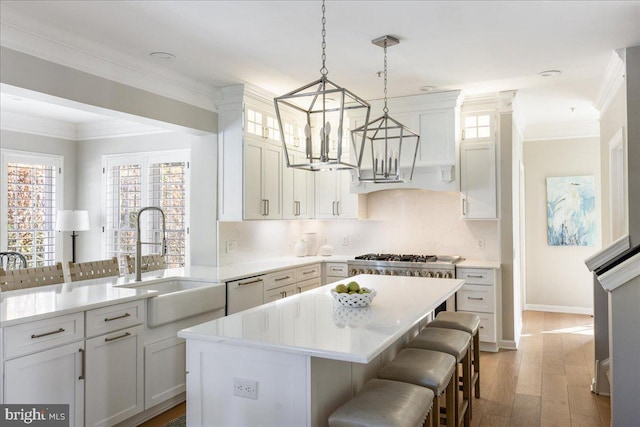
{"type": "Point", "coordinates": [164, 370]}
{"type": "Point", "coordinates": [282, 386]}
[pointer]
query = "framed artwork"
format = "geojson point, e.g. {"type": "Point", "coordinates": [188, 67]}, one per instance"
{"type": "Point", "coordinates": [571, 211]}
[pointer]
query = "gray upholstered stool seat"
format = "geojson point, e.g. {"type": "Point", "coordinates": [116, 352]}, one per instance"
{"type": "Point", "coordinates": [467, 322]}
{"type": "Point", "coordinates": [431, 369]}
{"type": "Point", "coordinates": [456, 343]}
{"type": "Point", "coordinates": [385, 404]}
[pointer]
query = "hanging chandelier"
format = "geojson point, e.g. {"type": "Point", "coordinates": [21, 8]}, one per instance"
{"type": "Point", "coordinates": [314, 124]}
{"type": "Point", "coordinates": [389, 148]}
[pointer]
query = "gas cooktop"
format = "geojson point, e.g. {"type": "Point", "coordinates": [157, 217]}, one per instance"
{"type": "Point", "coordinates": [410, 258]}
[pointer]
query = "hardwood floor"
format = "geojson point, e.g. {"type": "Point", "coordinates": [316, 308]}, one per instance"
{"type": "Point", "coordinates": [544, 383]}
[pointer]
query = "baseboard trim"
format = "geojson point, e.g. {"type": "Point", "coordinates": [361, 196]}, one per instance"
{"type": "Point", "coordinates": [559, 309]}
{"type": "Point", "coordinates": [508, 345]}
{"type": "Point", "coordinates": [154, 411]}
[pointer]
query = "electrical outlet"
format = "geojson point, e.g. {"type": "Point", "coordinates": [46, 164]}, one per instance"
{"type": "Point", "coordinates": [245, 388]}
{"type": "Point", "coordinates": [232, 246]}
{"type": "Point", "coordinates": [345, 241]}
{"type": "Point", "coordinates": [480, 243]}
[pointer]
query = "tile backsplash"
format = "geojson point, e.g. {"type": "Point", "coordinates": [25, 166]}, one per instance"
{"type": "Point", "coordinates": [399, 221]}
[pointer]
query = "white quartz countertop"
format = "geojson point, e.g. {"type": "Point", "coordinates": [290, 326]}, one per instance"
{"type": "Point", "coordinates": [313, 324]}
{"type": "Point", "coordinates": [470, 263]}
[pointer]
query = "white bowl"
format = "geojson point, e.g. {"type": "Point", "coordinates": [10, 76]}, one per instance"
{"type": "Point", "coordinates": [354, 300]}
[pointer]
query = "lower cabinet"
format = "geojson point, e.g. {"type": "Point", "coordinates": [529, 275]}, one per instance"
{"type": "Point", "coordinates": [307, 285]}
{"type": "Point", "coordinates": [335, 271]}
{"type": "Point", "coordinates": [52, 376]}
{"type": "Point", "coordinates": [114, 377]}
{"type": "Point", "coordinates": [164, 370]}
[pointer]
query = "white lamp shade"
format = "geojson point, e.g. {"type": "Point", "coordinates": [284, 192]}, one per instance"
{"type": "Point", "coordinates": [72, 221]}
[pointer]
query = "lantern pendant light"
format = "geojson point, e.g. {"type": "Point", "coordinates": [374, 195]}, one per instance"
{"type": "Point", "coordinates": [390, 149]}
{"type": "Point", "coordinates": [314, 123]}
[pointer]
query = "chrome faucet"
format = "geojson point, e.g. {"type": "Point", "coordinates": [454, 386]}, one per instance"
{"type": "Point", "coordinates": [139, 242]}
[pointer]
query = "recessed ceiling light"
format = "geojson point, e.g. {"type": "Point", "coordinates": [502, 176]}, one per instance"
{"type": "Point", "coordinates": [428, 88]}
{"type": "Point", "coordinates": [164, 56]}
{"type": "Point", "coordinates": [549, 73]}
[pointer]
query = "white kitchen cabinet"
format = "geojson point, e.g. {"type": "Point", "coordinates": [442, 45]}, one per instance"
{"type": "Point", "coordinates": [52, 376]}
{"type": "Point", "coordinates": [307, 285]}
{"type": "Point", "coordinates": [333, 195]}
{"type": "Point", "coordinates": [114, 377]}
{"type": "Point", "coordinates": [245, 293]}
{"type": "Point", "coordinates": [260, 123]}
{"type": "Point", "coordinates": [480, 295]}
{"type": "Point", "coordinates": [478, 180]}
{"type": "Point", "coordinates": [263, 181]}
{"type": "Point", "coordinates": [335, 271]}
{"type": "Point", "coordinates": [308, 277]}
{"type": "Point", "coordinates": [164, 370]}
{"type": "Point", "coordinates": [279, 284]}
{"type": "Point", "coordinates": [279, 293]}
{"type": "Point", "coordinates": [297, 190]}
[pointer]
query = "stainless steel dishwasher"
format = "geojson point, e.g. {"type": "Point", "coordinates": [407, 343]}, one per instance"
{"type": "Point", "coordinates": [244, 293]}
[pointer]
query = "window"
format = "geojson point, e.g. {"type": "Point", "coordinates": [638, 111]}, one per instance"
{"type": "Point", "coordinates": [476, 126]}
{"type": "Point", "coordinates": [159, 179]}
{"type": "Point", "coordinates": [30, 198]}
{"type": "Point", "coordinates": [254, 122]}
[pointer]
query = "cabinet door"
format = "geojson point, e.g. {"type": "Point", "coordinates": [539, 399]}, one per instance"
{"type": "Point", "coordinates": [297, 191]}
{"type": "Point", "coordinates": [164, 370]}
{"type": "Point", "coordinates": [114, 377]}
{"type": "Point", "coordinates": [279, 293]}
{"type": "Point", "coordinates": [478, 180]}
{"type": "Point", "coordinates": [254, 205]}
{"type": "Point", "coordinates": [326, 184]}
{"type": "Point", "coordinates": [437, 138]}
{"type": "Point", "coordinates": [347, 206]}
{"type": "Point", "coordinates": [51, 376]}
{"type": "Point", "coordinates": [272, 181]}
{"type": "Point", "coordinates": [307, 285]}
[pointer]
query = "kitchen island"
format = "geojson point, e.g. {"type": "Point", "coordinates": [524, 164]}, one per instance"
{"type": "Point", "coordinates": [294, 361]}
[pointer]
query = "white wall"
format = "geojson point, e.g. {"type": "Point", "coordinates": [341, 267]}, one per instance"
{"type": "Point", "coordinates": [400, 221]}
{"type": "Point", "coordinates": [203, 188]}
{"type": "Point", "coordinates": [48, 145]}
{"type": "Point", "coordinates": [556, 277]}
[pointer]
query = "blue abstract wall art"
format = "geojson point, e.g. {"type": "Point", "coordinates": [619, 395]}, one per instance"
{"type": "Point", "coordinates": [571, 211]}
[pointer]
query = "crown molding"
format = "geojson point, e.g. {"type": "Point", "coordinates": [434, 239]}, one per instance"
{"type": "Point", "coordinates": [562, 130]}
{"type": "Point", "coordinates": [25, 123]}
{"type": "Point", "coordinates": [612, 80]}
{"type": "Point", "coordinates": [114, 129]}
{"type": "Point", "coordinates": [23, 33]}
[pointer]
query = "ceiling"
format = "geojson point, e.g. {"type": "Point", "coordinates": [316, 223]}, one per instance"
{"type": "Point", "coordinates": [476, 46]}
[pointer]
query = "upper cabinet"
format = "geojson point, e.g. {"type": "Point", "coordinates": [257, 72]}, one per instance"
{"type": "Point", "coordinates": [333, 196]}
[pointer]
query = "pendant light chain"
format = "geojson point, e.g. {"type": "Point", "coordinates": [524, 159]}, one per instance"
{"type": "Point", "coordinates": [324, 70]}
{"type": "Point", "coordinates": [385, 109]}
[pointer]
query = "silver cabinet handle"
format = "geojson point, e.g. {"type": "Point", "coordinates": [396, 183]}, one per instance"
{"type": "Point", "coordinates": [109, 319]}
{"type": "Point", "coordinates": [268, 207]}
{"type": "Point", "coordinates": [475, 276]}
{"type": "Point", "coordinates": [250, 282]}
{"type": "Point", "coordinates": [464, 206]}
{"type": "Point", "coordinates": [475, 299]}
{"type": "Point", "coordinates": [126, 334]}
{"type": "Point", "coordinates": [83, 360]}
{"type": "Point", "coordinates": [481, 327]}
{"type": "Point", "coordinates": [308, 272]}
{"type": "Point", "coordinates": [338, 208]}
{"type": "Point", "coordinates": [335, 269]}
{"type": "Point", "coordinates": [283, 278]}
{"type": "Point", "coordinates": [59, 331]}
{"type": "Point", "coordinates": [264, 207]}
{"type": "Point", "coordinates": [333, 208]}
{"type": "Point", "coordinates": [299, 289]}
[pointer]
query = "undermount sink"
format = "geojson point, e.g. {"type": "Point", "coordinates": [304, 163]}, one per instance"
{"type": "Point", "coordinates": [180, 298]}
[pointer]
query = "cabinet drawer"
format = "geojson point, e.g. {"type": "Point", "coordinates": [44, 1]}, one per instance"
{"type": "Point", "coordinates": [307, 285]}
{"type": "Point", "coordinates": [476, 276]}
{"type": "Point", "coordinates": [43, 334]}
{"type": "Point", "coordinates": [307, 272]}
{"type": "Point", "coordinates": [338, 269]}
{"type": "Point", "coordinates": [108, 319]}
{"type": "Point", "coordinates": [279, 278]}
{"type": "Point", "coordinates": [487, 327]}
{"type": "Point", "coordinates": [476, 298]}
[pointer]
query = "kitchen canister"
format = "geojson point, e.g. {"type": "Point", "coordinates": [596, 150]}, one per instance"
{"type": "Point", "coordinates": [312, 243]}
{"type": "Point", "coordinates": [300, 248]}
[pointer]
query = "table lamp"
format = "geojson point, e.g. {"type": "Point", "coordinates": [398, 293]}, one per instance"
{"type": "Point", "coordinates": [72, 221]}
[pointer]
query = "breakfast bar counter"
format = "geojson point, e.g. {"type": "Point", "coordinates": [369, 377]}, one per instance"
{"type": "Point", "coordinates": [295, 360]}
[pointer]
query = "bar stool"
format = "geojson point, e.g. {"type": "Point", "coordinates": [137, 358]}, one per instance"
{"type": "Point", "coordinates": [431, 369]}
{"type": "Point", "coordinates": [469, 323]}
{"type": "Point", "coordinates": [383, 403]}
{"type": "Point", "coordinates": [457, 344]}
